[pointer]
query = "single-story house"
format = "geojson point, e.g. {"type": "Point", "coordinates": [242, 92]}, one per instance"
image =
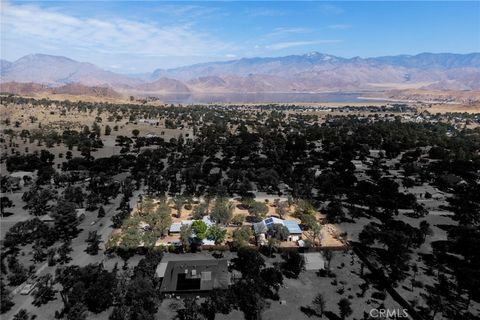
{"type": "Point", "coordinates": [175, 227]}
{"type": "Point", "coordinates": [263, 226]}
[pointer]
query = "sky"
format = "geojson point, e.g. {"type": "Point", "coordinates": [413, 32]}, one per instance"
{"type": "Point", "coordinates": [140, 36]}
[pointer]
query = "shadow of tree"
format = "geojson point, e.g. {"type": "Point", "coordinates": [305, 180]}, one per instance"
{"type": "Point", "coordinates": [308, 311]}
{"type": "Point", "coordinates": [331, 316]}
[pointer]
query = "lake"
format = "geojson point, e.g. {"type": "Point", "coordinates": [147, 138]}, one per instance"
{"type": "Point", "coordinates": [261, 97]}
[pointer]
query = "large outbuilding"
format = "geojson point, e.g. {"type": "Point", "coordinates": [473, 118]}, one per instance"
{"type": "Point", "coordinates": [192, 273]}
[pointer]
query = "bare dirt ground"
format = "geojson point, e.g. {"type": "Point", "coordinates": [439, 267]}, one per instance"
{"type": "Point", "coordinates": [446, 108]}
{"type": "Point", "coordinates": [443, 100]}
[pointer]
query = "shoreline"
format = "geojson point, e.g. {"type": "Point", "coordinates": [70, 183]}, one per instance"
{"type": "Point", "coordinates": [411, 101]}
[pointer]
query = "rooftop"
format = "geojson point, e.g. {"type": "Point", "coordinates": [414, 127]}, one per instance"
{"type": "Point", "coordinates": [264, 225]}
{"type": "Point", "coordinates": [192, 272]}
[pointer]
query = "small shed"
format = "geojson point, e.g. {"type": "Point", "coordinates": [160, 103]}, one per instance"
{"type": "Point", "coordinates": [314, 261]}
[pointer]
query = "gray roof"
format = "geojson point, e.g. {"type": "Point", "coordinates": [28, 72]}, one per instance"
{"type": "Point", "coordinates": [193, 274]}
{"type": "Point", "coordinates": [175, 227]}
{"type": "Point", "coordinates": [313, 261]}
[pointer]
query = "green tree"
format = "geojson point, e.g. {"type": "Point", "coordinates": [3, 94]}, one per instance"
{"type": "Point", "coordinates": [22, 314]}
{"type": "Point", "coordinates": [160, 220]}
{"type": "Point", "coordinates": [249, 262]}
{"type": "Point", "coordinates": [93, 241]}
{"type": "Point", "coordinates": [425, 229]}
{"type": "Point", "coordinates": [216, 233]}
{"type": "Point", "coordinates": [272, 278]}
{"type": "Point", "coordinates": [282, 208]}
{"type": "Point", "coordinates": [131, 235]}
{"type": "Point", "coordinates": [200, 228]}
{"type": "Point", "coordinates": [5, 298]}
{"type": "Point", "coordinates": [178, 202]}
{"type": "Point", "coordinates": [77, 312]}
{"type": "Point", "coordinates": [316, 232]}
{"type": "Point", "coordinates": [218, 301]}
{"type": "Point", "coordinates": [419, 210]}
{"type": "Point", "coordinates": [39, 253]}
{"type": "Point", "coordinates": [238, 219]}
{"type": "Point", "coordinates": [279, 232]}
{"type": "Point", "coordinates": [294, 264]}
{"type": "Point", "coordinates": [249, 299]}
{"type": "Point", "coordinates": [272, 245]}
{"type": "Point", "coordinates": [63, 253]}
{"type": "Point", "coordinates": [65, 220]}
{"type": "Point", "coordinates": [96, 129]}
{"type": "Point", "coordinates": [74, 194]}
{"type": "Point", "coordinates": [222, 211]}
{"type": "Point", "coordinates": [108, 130]}
{"type": "Point", "coordinates": [101, 212]}
{"type": "Point", "coordinates": [241, 236]}
{"type": "Point", "coordinates": [334, 211]}
{"type": "Point", "coordinates": [120, 312]}
{"type": "Point", "coordinates": [190, 311]}
{"type": "Point", "coordinates": [44, 291]}
{"type": "Point", "coordinates": [200, 211]}
{"type": "Point", "coordinates": [185, 235]}
{"type": "Point", "coordinates": [258, 209]}
{"type": "Point", "coordinates": [345, 308]}
{"type": "Point", "coordinates": [146, 206]}
{"type": "Point", "coordinates": [328, 255]}
{"type": "Point", "coordinates": [51, 257]}
{"type": "Point", "coordinates": [5, 202]}
{"type": "Point", "coordinates": [319, 304]}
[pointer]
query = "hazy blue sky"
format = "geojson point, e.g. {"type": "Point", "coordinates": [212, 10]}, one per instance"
{"type": "Point", "coordinates": [140, 36]}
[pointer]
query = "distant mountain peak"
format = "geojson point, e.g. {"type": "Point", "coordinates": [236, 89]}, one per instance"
{"type": "Point", "coordinates": [42, 56]}
{"type": "Point", "coordinates": [313, 54]}
{"type": "Point", "coordinates": [318, 56]}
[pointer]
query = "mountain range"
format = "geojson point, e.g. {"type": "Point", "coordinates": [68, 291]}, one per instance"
{"type": "Point", "coordinates": [311, 72]}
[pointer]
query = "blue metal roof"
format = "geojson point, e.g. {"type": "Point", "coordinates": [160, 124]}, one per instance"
{"type": "Point", "coordinates": [292, 226]}
{"type": "Point", "coordinates": [263, 226]}
{"type": "Point", "coordinates": [269, 222]}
